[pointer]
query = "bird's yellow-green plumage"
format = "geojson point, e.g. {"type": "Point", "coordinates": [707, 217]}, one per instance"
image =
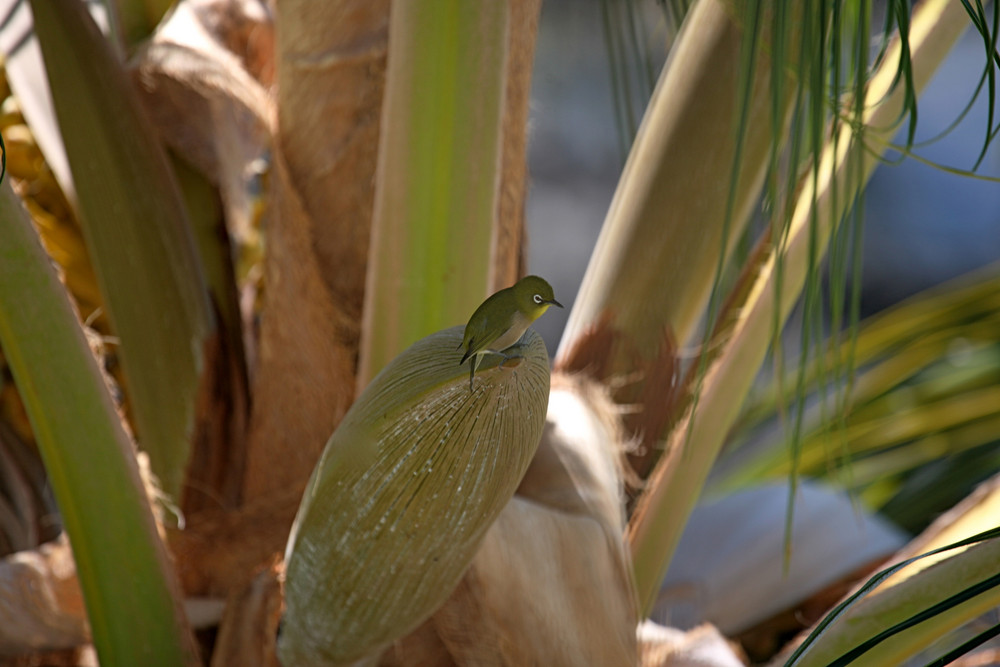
{"type": "Point", "coordinates": [501, 320]}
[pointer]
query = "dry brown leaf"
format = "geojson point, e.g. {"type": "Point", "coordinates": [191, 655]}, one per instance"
{"type": "Point", "coordinates": [244, 28]}
{"type": "Point", "coordinates": [209, 109]}
{"type": "Point", "coordinates": [547, 588]}
{"type": "Point", "coordinates": [509, 244]}
{"type": "Point", "coordinates": [249, 626]}
{"type": "Point", "coordinates": [41, 606]}
{"type": "Point", "coordinates": [81, 656]}
{"type": "Point", "coordinates": [220, 550]}
{"type": "Point", "coordinates": [305, 365]}
{"type": "Point", "coordinates": [331, 76]}
{"type": "Point", "coordinates": [702, 646]}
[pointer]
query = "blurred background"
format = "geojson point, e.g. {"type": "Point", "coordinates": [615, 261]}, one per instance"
{"type": "Point", "coordinates": [923, 225]}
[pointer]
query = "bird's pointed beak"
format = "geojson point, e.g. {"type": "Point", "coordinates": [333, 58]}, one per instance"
{"type": "Point", "coordinates": [554, 303]}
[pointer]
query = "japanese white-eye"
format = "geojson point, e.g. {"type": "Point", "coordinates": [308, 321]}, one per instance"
{"type": "Point", "coordinates": [501, 320]}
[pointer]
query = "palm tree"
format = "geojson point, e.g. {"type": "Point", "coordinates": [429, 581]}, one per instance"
{"type": "Point", "coordinates": [375, 159]}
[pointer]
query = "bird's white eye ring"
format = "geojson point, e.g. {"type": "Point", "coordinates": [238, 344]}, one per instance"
{"type": "Point", "coordinates": [537, 298]}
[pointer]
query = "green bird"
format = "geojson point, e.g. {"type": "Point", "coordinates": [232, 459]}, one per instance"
{"type": "Point", "coordinates": [498, 324]}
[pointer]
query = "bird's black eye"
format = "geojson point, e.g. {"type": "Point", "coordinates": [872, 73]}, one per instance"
{"type": "Point", "coordinates": [537, 298]}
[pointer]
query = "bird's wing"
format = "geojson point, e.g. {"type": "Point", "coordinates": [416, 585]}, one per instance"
{"type": "Point", "coordinates": [477, 339]}
{"type": "Point", "coordinates": [471, 350]}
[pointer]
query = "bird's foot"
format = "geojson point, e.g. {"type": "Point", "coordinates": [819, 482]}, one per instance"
{"type": "Point", "coordinates": [512, 352]}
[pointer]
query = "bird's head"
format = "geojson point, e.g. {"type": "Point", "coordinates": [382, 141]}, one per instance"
{"type": "Point", "coordinates": [534, 296]}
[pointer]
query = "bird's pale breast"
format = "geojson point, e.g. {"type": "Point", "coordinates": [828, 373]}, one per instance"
{"type": "Point", "coordinates": [512, 335]}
